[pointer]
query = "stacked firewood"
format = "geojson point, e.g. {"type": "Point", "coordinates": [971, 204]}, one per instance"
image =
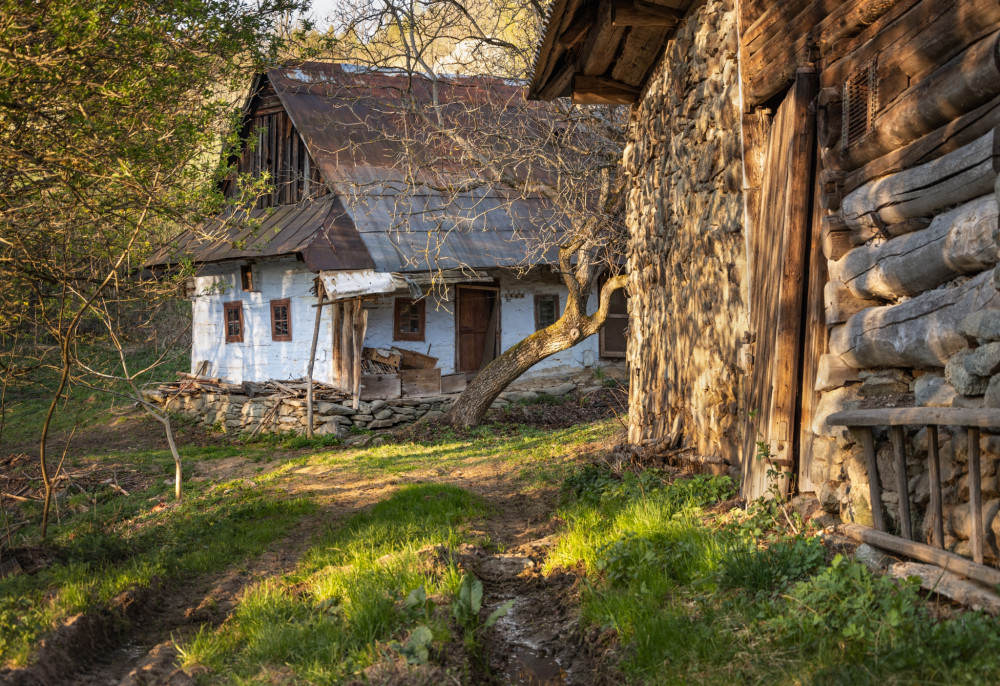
{"type": "Point", "coordinates": [192, 384]}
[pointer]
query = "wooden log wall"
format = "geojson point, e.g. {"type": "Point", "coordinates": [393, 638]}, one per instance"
{"type": "Point", "coordinates": [274, 147]}
{"type": "Point", "coordinates": [907, 218]}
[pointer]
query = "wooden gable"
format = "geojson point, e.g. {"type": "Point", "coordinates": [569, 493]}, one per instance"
{"type": "Point", "coordinates": [272, 145]}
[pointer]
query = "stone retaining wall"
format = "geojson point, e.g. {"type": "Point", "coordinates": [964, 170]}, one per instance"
{"type": "Point", "coordinates": [238, 414]}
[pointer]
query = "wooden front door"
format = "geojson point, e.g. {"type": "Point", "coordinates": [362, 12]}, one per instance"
{"type": "Point", "coordinates": [477, 326]}
{"type": "Point", "coordinates": [777, 245]}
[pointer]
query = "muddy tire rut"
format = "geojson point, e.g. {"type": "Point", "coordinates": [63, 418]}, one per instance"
{"type": "Point", "coordinates": [539, 642]}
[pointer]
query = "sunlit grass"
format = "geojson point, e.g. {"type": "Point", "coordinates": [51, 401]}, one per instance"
{"type": "Point", "coordinates": [698, 598]}
{"type": "Point", "coordinates": [325, 621]}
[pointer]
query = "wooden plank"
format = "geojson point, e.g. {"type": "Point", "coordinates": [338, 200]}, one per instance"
{"type": "Point", "coordinates": [874, 482]}
{"type": "Point", "coordinates": [418, 382]}
{"type": "Point", "coordinates": [975, 496]}
{"type": "Point", "coordinates": [935, 511]}
{"type": "Point", "coordinates": [638, 13]}
{"type": "Point", "coordinates": [773, 19]}
{"type": "Point", "coordinates": [972, 594]}
{"type": "Point", "coordinates": [393, 358]}
{"type": "Point", "coordinates": [902, 482]}
{"type": "Point", "coordinates": [453, 383]}
{"type": "Point", "coordinates": [408, 359]}
{"type": "Point", "coordinates": [778, 245]}
{"type": "Point", "coordinates": [814, 341]}
{"type": "Point", "coordinates": [360, 329]}
{"type": "Point", "coordinates": [923, 552]}
{"type": "Point", "coordinates": [599, 90]}
{"type": "Point", "coordinates": [336, 324]}
{"type": "Point", "coordinates": [914, 416]}
{"type": "Point", "coordinates": [380, 386]}
{"type": "Point", "coordinates": [312, 362]}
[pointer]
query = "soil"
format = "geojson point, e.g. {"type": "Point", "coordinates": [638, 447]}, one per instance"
{"type": "Point", "coordinates": [538, 642]}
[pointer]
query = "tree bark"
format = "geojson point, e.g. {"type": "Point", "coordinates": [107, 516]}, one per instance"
{"type": "Point", "coordinates": [574, 326]}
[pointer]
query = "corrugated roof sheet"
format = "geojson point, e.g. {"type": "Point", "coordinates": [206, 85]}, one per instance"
{"type": "Point", "coordinates": [384, 213]}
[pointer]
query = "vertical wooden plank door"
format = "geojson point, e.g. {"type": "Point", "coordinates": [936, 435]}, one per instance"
{"type": "Point", "coordinates": [476, 338]}
{"type": "Point", "coordinates": [777, 245]}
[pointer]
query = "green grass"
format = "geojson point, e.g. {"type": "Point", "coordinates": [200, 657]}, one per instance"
{"type": "Point", "coordinates": [697, 598]}
{"type": "Point", "coordinates": [122, 543]}
{"type": "Point", "coordinates": [332, 617]}
{"type": "Point", "coordinates": [543, 456]}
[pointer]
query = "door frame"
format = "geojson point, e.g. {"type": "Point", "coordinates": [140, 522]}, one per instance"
{"type": "Point", "coordinates": [459, 287]}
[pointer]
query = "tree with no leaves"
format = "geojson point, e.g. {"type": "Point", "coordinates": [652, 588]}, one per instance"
{"type": "Point", "coordinates": [457, 148]}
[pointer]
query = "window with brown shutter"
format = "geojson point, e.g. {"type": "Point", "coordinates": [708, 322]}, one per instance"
{"type": "Point", "coordinates": [281, 320]}
{"type": "Point", "coordinates": [233, 319]}
{"type": "Point", "coordinates": [546, 311]}
{"type": "Point", "coordinates": [408, 320]}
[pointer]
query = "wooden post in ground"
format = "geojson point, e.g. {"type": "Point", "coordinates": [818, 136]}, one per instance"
{"type": "Point", "coordinates": [321, 295]}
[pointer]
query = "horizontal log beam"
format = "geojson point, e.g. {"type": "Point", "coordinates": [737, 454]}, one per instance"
{"type": "Point", "coordinates": [599, 90]}
{"type": "Point", "coordinates": [638, 13]}
{"type": "Point", "coordinates": [959, 176]}
{"type": "Point", "coordinates": [966, 82]}
{"type": "Point", "coordinates": [939, 142]}
{"type": "Point", "coordinates": [577, 30]}
{"type": "Point", "coordinates": [923, 552]}
{"type": "Point", "coordinates": [823, 22]}
{"type": "Point", "coordinates": [982, 418]}
{"type": "Point", "coordinates": [832, 372]}
{"type": "Point", "coordinates": [957, 242]}
{"type": "Point", "coordinates": [841, 304]}
{"type": "Point", "coordinates": [921, 332]}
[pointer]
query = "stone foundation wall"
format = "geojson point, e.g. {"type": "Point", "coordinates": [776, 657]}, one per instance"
{"type": "Point", "coordinates": [687, 255]}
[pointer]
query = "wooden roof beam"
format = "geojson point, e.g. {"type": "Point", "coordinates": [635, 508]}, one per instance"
{"type": "Point", "coordinates": [577, 30]}
{"type": "Point", "coordinates": [600, 90]}
{"type": "Point", "coordinates": [639, 13]}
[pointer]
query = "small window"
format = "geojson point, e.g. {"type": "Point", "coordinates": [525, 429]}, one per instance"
{"type": "Point", "coordinates": [246, 279]}
{"type": "Point", "coordinates": [281, 320]}
{"type": "Point", "coordinates": [234, 321]}
{"type": "Point", "coordinates": [546, 311]}
{"type": "Point", "coordinates": [409, 320]}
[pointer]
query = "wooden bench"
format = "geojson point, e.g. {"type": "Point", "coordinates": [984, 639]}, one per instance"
{"type": "Point", "coordinates": [897, 419]}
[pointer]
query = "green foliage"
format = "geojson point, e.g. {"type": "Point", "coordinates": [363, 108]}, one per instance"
{"type": "Point", "coordinates": [768, 569]}
{"type": "Point", "coordinates": [359, 584]}
{"type": "Point", "coordinates": [468, 602]}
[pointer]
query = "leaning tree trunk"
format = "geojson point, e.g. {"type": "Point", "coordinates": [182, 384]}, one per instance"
{"type": "Point", "coordinates": [574, 326]}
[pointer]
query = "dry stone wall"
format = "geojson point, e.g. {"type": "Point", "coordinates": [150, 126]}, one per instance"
{"type": "Point", "coordinates": [686, 257]}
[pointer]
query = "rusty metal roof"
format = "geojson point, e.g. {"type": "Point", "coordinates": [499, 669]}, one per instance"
{"type": "Point", "coordinates": [319, 230]}
{"type": "Point", "coordinates": [383, 212]}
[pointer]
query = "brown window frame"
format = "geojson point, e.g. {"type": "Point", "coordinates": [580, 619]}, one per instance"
{"type": "Point", "coordinates": [287, 304]}
{"type": "Point", "coordinates": [399, 307]}
{"type": "Point", "coordinates": [246, 279]}
{"type": "Point", "coordinates": [236, 305]}
{"type": "Point", "coordinates": [539, 297]}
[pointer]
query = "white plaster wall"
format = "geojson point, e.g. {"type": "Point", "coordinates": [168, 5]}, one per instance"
{"type": "Point", "coordinates": [258, 358]}
{"type": "Point", "coordinates": [517, 308]}
{"type": "Point", "coordinates": [439, 330]}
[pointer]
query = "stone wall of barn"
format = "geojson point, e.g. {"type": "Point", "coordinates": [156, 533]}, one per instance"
{"type": "Point", "coordinates": [687, 257]}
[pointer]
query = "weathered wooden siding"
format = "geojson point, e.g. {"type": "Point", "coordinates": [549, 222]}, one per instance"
{"type": "Point", "coordinates": [687, 260]}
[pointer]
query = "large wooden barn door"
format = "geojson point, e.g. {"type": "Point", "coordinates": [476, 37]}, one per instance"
{"type": "Point", "coordinates": [778, 241]}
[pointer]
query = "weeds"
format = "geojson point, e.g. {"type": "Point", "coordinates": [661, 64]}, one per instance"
{"type": "Point", "coordinates": [696, 597]}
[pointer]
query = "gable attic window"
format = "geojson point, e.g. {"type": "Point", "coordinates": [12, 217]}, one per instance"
{"type": "Point", "coordinates": [546, 311]}
{"type": "Point", "coordinates": [246, 279]}
{"type": "Point", "coordinates": [233, 316]}
{"type": "Point", "coordinates": [281, 320]}
{"type": "Point", "coordinates": [408, 320]}
{"type": "Point", "coordinates": [860, 105]}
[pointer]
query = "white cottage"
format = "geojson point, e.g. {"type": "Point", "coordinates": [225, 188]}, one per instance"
{"type": "Point", "coordinates": [445, 277]}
